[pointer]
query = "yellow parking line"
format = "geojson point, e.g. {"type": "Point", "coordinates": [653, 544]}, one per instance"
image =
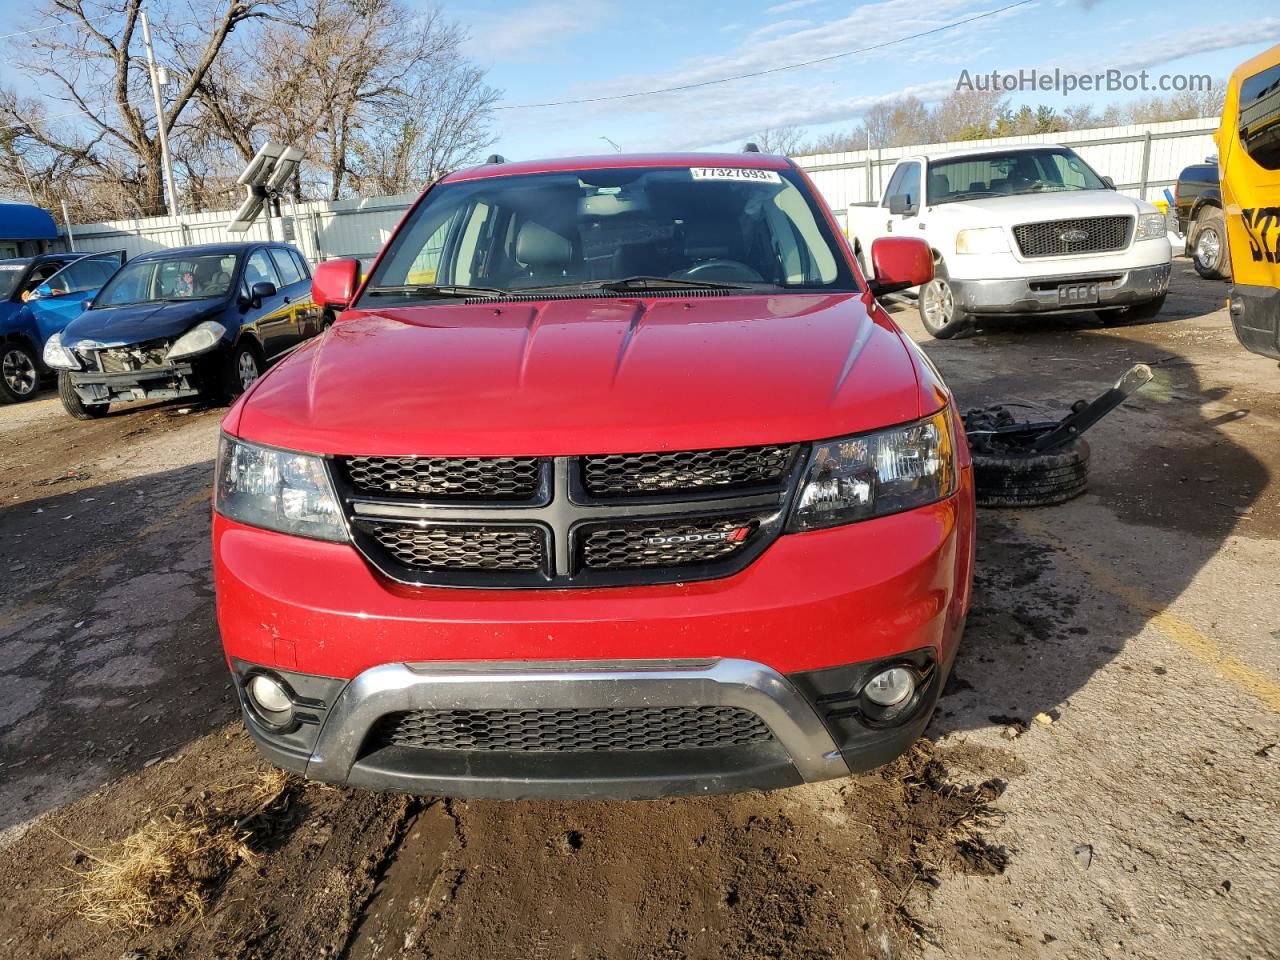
{"type": "Point", "coordinates": [1201, 647]}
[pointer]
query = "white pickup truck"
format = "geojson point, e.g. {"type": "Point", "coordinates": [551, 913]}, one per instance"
{"type": "Point", "coordinates": [1023, 229]}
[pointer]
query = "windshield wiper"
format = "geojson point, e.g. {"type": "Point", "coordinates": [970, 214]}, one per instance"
{"type": "Point", "coordinates": [436, 290]}
{"type": "Point", "coordinates": [665, 283]}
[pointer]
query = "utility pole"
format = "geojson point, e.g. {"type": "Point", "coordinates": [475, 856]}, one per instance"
{"type": "Point", "coordinates": [160, 125]}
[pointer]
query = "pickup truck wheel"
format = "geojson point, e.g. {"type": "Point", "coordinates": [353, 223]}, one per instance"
{"type": "Point", "coordinates": [19, 373]}
{"type": "Point", "coordinates": [1209, 244]}
{"type": "Point", "coordinates": [1134, 314]}
{"type": "Point", "coordinates": [1032, 479]}
{"type": "Point", "coordinates": [72, 403]}
{"type": "Point", "coordinates": [939, 312]}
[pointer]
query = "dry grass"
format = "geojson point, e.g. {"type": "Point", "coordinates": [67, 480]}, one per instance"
{"type": "Point", "coordinates": [168, 870]}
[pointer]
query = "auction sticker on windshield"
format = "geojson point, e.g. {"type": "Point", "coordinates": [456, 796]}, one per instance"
{"type": "Point", "coordinates": [735, 173]}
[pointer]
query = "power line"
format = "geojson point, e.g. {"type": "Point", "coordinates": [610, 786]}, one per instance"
{"type": "Point", "coordinates": [53, 26]}
{"type": "Point", "coordinates": [763, 73]}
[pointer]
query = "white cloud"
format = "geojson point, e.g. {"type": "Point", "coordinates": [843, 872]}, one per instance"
{"type": "Point", "coordinates": [778, 27]}
{"type": "Point", "coordinates": [790, 5]}
{"type": "Point", "coordinates": [534, 32]}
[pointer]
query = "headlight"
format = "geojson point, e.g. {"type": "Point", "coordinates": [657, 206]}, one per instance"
{"type": "Point", "coordinates": [1151, 226]}
{"type": "Point", "coordinates": [982, 240]}
{"type": "Point", "coordinates": [58, 356]}
{"type": "Point", "coordinates": [874, 474]}
{"type": "Point", "coordinates": [277, 490]}
{"type": "Point", "coordinates": [201, 338]}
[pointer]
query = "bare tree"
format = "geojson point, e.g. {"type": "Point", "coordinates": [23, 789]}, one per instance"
{"type": "Point", "coordinates": [787, 141]}
{"type": "Point", "coordinates": [91, 63]}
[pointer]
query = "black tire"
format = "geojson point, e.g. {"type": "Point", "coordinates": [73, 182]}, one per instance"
{"type": "Point", "coordinates": [326, 321]}
{"type": "Point", "coordinates": [1208, 243]}
{"type": "Point", "coordinates": [939, 313]}
{"type": "Point", "coordinates": [72, 403]}
{"type": "Point", "coordinates": [1032, 480]}
{"type": "Point", "coordinates": [1138, 313]}
{"type": "Point", "coordinates": [235, 376]}
{"type": "Point", "coordinates": [19, 372]}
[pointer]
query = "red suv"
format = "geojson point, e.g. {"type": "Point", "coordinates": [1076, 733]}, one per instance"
{"type": "Point", "coordinates": [613, 479]}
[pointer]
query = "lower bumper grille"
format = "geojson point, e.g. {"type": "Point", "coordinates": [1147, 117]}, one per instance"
{"type": "Point", "coordinates": [1061, 238]}
{"type": "Point", "coordinates": [572, 730]}
{"type": "Point", "coordinates": [461, 547]}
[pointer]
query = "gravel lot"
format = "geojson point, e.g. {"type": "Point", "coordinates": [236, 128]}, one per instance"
{"type": "Point", "coordinates": [1101, 779]}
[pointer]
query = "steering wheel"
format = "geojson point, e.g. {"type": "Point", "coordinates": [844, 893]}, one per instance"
{"type": "Point", "coordinates": [727, 270]}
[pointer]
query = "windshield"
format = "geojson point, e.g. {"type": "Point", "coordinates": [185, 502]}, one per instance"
{"type": "Point", "coordinates": [629, 228]}
{"type": "Point", "coordinates": [1004, 174]}
{"type": "Point", "coordinates": [206, 276]}
{"type": "Point", "coordinates": [10, 274]}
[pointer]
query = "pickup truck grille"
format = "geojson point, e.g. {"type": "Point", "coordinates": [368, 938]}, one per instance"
{"type": "Point", "coordinates": [1062, 238]}
{"type": "Point", "coordinates": [583, 521]}
{"type": "Point", "coordinates": [572, 730]}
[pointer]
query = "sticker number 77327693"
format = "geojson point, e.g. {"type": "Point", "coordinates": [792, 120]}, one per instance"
{"type": "Point", "coordinates": [745, 174]}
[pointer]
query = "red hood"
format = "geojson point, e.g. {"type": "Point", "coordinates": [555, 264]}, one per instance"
{"type": "Point", "coordinates": [588, 376]}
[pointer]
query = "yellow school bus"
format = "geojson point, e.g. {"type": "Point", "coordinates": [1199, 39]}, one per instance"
{"type": "Point", "coordinates": [1249, 167]}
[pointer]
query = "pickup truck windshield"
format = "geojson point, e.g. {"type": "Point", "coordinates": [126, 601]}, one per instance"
{"type": "Point", "coordinates": [201, 277]}
{"type": "Point", "coordinates": [618, 229]}
{"type": "Point", "coordinates": [1005, 174]}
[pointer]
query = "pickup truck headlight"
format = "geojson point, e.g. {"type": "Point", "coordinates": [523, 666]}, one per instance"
{"type": "Point", "coordinates": [1151, 226]}
{"type": "Point", "coordinates": [201, 338]}
{"type": "Point", "coordinates": [57, 356]}
{"type": "Point", "coordinates": [277, 490]}
{"type": "Point", "coordinates": [982, 240]}
{"type": "Point", "coordinates": [873, 474]}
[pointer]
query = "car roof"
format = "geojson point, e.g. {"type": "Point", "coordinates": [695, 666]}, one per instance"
{"type": "Point", "coordinates": [41, 258]}
{"type": "Point", "coordinates": [614, 161]}
{"type": "Point", "coordinates": [205, 249]}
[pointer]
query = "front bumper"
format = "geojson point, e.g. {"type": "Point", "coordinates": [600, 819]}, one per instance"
{"type": "Point", "coordinates": [811, 738]}
{"type": "Point", "coordinates": [1115, 288]}
{"type": "Point", "coordinates": [787, 638]}
{"type": "Point", "coordinates": [1255, 315]}
{"type": "Point", "coordinates": [152, 383]}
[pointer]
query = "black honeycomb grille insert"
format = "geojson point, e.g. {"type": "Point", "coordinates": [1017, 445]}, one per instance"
{"type": "Point", "coordinates": [629, 474]}
{"type": "Point", "coordinates": [572, 730]}
{"type": "Point", "coordinates": [461, 547]}
{"type": "Point", "coordinates": [665, 543]}
{"type": "Point", "coordinates": [447, 478]}
{"type": "Point", "coordinates": [1058, 238]}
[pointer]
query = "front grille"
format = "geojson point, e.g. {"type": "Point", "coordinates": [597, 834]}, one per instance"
{"type": "Point", "coordinates": [142, 356]}
{"type": "Point", "coordinates": [447, 478]}
{"type": "Point", "coordinates": [622, 474]}
{"type": "Point", "coordinates": [665, 543]}
{"type": "Point", "coordinates": [1058, 238]}
{"type": "Point", "coordinates": [572, 730]}
{"type": "Point", "coordinates": [461, 547]}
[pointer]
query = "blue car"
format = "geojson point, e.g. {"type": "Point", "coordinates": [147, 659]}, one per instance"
{"type": "Point", "coordinates": [38, 297]}
{"type": "Point", "coordinates": [196, 322]}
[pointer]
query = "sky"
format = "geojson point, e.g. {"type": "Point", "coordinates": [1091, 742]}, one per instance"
{"type": "Point", "coordinates": [554, 50]}
{"type": "Point", "coordinates": [551, 50]}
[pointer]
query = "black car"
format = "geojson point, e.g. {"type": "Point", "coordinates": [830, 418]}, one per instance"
{"type": "Point", "coordinates": [199, 321]}
{"type": "Point", "coordinates": [1197, 199]}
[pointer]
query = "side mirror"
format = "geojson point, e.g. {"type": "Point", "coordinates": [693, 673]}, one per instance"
{"type": "Point", "coordinates": [1111, 184]}
{"type": "Point", "coordinates": [900, 205]}
{"type": "Point", "coordinates": [334, 283]}
{"type": "Point", "coordinates": [42, 292]}
{"type": "Point", "coordinates": [87, 304]}
{"type": "Point", "coordinates": [262, 290]}
{"type": "Point", "coordinates": [899, 263]}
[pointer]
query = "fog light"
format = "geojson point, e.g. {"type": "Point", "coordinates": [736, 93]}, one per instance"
{"type": "Point", "coordinates": [891, 687]}
{"type": "Point", "coordinates": [270, 698]}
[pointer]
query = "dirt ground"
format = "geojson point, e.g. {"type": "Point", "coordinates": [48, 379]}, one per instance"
{"type": "Point", "coordinates": [1100, 780]}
